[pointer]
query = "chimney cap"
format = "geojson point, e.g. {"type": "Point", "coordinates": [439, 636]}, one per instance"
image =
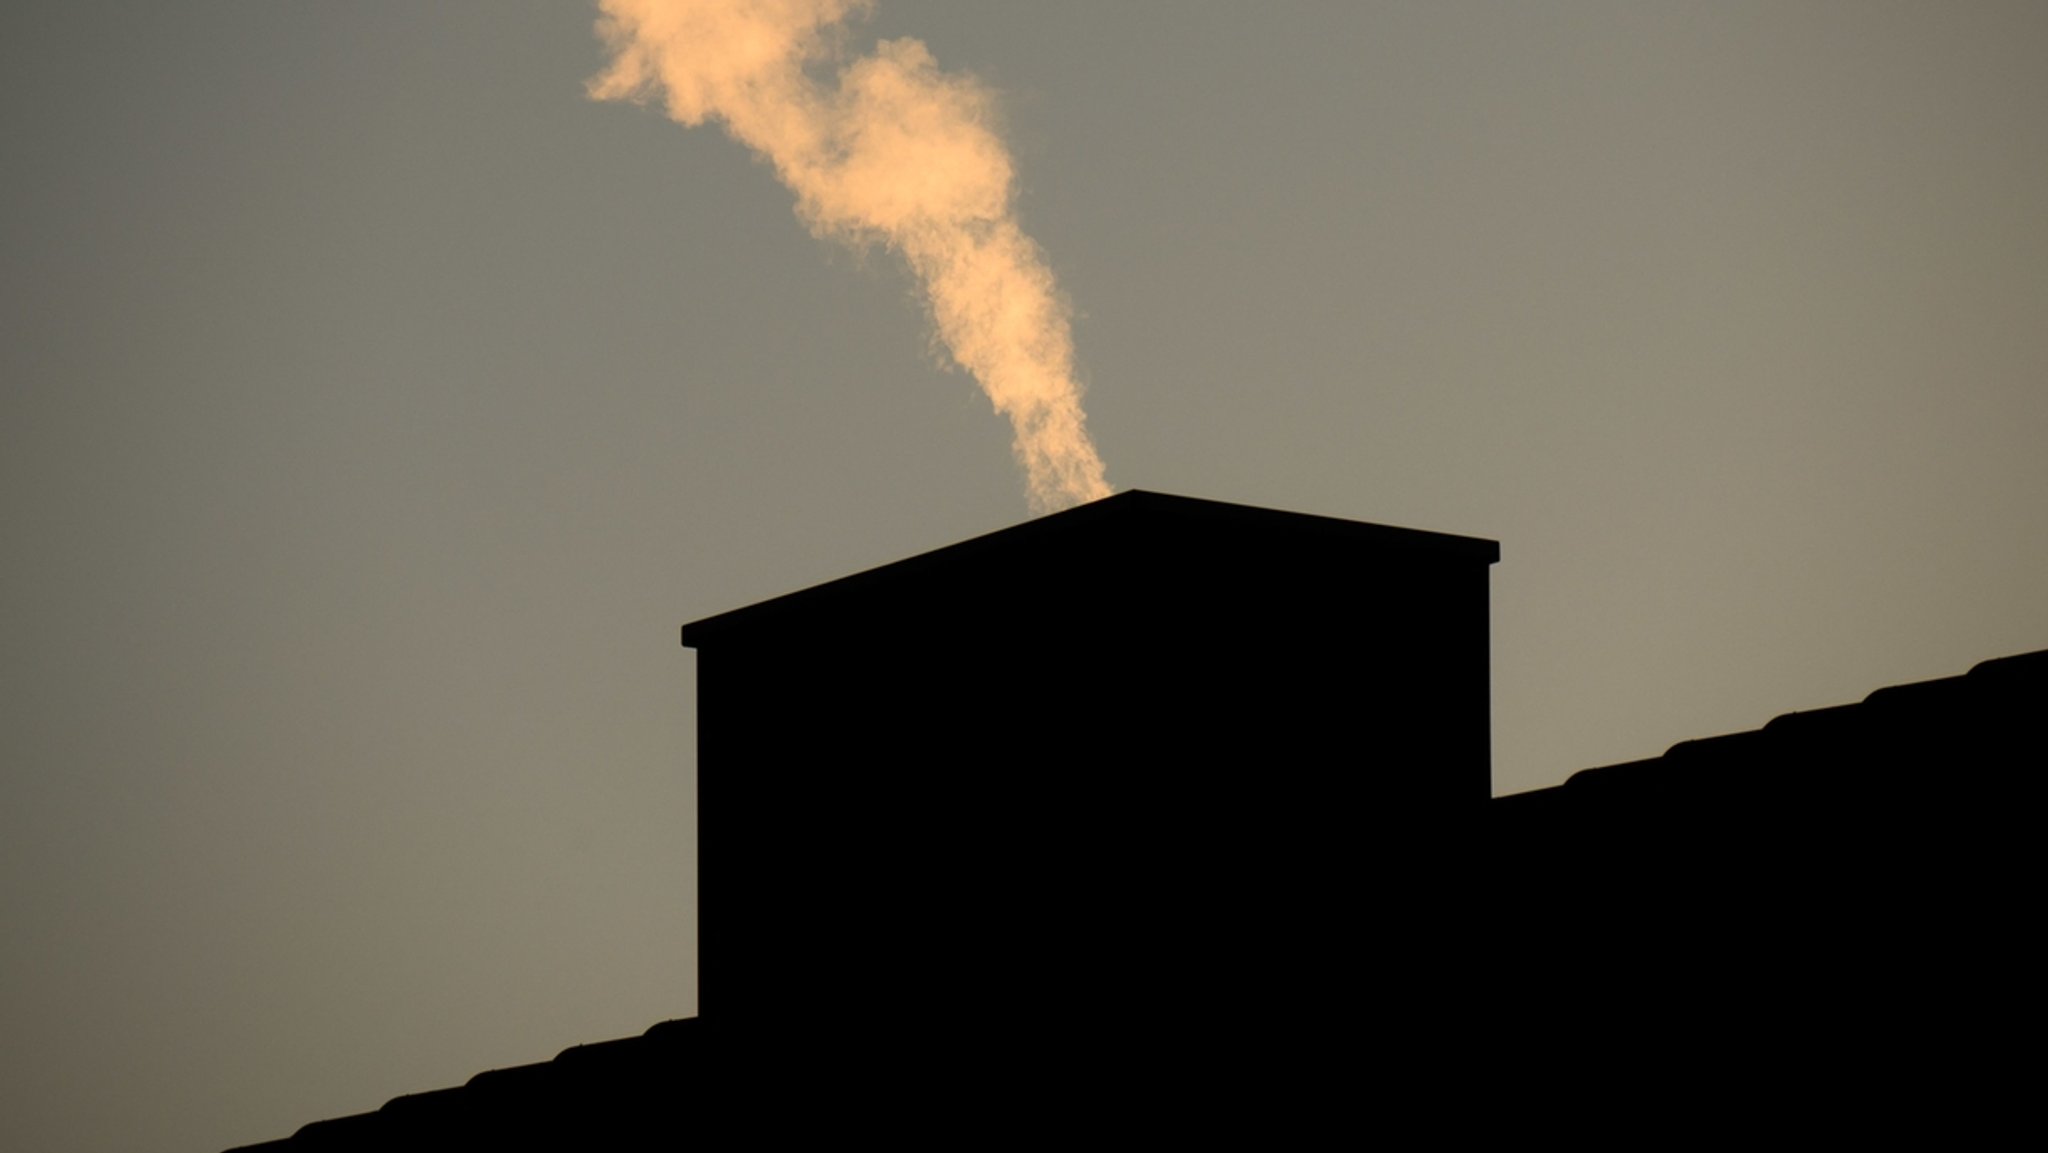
{"type": "Point", "coordinates": [1091, 530]}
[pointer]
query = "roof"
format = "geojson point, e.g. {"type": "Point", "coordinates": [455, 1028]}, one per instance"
{"type": "Point", "coordinates": [1675, 868]}
{"type": "Point", "coordinates": [632, 1085]}
{"type": "Point", "coordinates": [1949, 735]}
{"type": "Point", "coordinates": [1759, 884]}
{"type": "Point", "coordinates": [1105, 538]}
{"type": "Point", "coordinates": [1844, 890]}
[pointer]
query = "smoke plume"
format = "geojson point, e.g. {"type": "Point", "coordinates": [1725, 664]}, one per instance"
{"type": "Point", "coordinates": [895, 152]}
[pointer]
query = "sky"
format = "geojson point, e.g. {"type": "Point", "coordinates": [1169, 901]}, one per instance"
{"type": "Point", "coordinates": [374, 405]}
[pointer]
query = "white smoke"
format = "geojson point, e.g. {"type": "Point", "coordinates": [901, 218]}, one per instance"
{"type": "Point", "coordinates": [895, 152]}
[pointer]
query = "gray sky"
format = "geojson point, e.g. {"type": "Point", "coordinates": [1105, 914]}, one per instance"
{"type": "Point", "coordinates": [373, 407]}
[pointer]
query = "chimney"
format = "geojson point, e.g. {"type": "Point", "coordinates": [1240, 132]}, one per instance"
{"type": "Point", "coordinates": [1126, 761]}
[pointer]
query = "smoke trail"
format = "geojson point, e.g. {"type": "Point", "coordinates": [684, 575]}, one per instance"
{"type": "Point", "coordinates": [898, 153]}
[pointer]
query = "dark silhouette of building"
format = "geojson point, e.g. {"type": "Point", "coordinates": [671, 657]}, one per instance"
{"type": "Point", "coordinates": [1162, 807]}
{"type": "Point", "coordinates": [1117, 763]}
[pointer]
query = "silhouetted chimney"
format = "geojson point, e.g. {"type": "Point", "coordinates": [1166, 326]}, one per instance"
{"type": "Point", "coordinates": [1129, 759]}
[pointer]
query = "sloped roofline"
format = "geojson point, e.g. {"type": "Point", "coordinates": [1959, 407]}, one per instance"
{"type": "Point", "coordinates": [1994, 689]}
{"type": "Point", "coordinates": [1095, 519]}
